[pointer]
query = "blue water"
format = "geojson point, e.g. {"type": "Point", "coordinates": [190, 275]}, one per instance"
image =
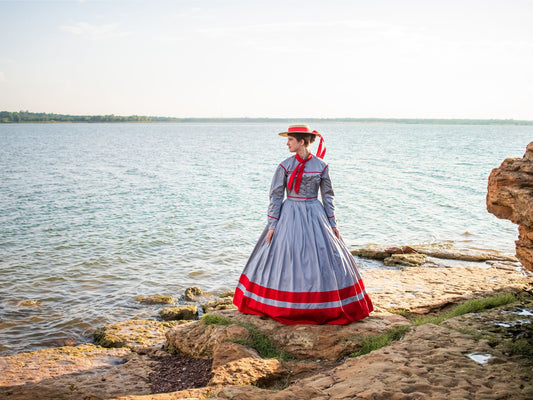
{"type": "Point", "coordinates": [93, 215]}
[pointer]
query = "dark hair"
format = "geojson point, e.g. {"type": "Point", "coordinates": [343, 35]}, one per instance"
{"type": "Point", "coordinates": [307, 138]}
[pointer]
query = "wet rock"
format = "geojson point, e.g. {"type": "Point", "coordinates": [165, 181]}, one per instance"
{"type": "Point", "coordinates": [441, 251]}
{"type": "Point", "coordinates": [156, 299]}
{"type": "Point", "coordinates": [453, 253]}
{"type": "Point", "coordinates": [228, 293]}
{"type": "Point", "coordinates": [407, 260]}
{"type": "Point", "coordinates": [223, 303]}
{"type": "Point", "coordinates": [189, 312]}
{"type": "Point", "coordinates": [30, 303]}
{"type": "Point", "coordinates": [510, 196]}
{"type": "Point", "coordinates": [132, 333]}
{"type": "Point", "coordinates": [372, 252]}
{"type": "Point", "coordinates": [193, 293]}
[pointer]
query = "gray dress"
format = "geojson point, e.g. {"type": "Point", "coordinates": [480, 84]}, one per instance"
{"type": "Point", "coordinates": [306, 275]}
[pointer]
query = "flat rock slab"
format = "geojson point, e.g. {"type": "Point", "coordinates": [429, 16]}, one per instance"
{"type": "Point", "coordinates": [422, 290]}
{"type": "Point", "coordinates": [133, 333]}
{"type": "Point", "coordinates": [84, 371]}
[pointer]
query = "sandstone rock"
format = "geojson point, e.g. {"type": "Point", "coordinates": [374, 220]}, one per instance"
{"type": "Point", "coordinates": [373, 252]}
{"type": "Point", "coordinates": [400, 250]}
{"type": "Point", "coordinates": [441, 251]}
{"type": "Point", "coordinates": [421, 290]}
{"type": "Point", "coordinates": [193, 293]}
{"type": "Point", "coordinates": [228, 293]}
{"type": "Point", "coordinates": [234, 364]}
{"type": "Point", "coordinates": [81, 372]}
{"type": "Point", "coordinates": [132, 333]}
{"type": "Point", "coordinates": [199, 340]}
{"type": "Point", "coordinates": [510, 196]}
{"type": "Point", "coordinates": [327, 342]}
{"type": "Point", "coordinates": [223, 303]}
{"type": "Point", "coordinates": [449, 252]}
{"type": "Point", "coordinates": [156, 299]}
{"type": "Point", "coordinates": [408, 260]}
{"type": "Point", "coordinates": [189, 312]}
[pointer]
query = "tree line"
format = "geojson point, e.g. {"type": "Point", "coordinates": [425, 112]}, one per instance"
{"type": "Point", "coordinates": [31, 117]}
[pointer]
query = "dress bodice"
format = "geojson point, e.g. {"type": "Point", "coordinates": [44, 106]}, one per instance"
{"type": "Point", "coordinates": [315, 178]}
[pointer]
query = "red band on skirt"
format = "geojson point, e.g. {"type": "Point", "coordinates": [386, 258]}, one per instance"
{"type": "Point", "coordinates": [341, 315]}
{"type": "Point", "coordinates": [302, 297]}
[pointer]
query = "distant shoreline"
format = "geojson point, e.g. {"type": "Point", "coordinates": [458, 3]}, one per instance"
{"type": "Point", "coordinates": [7, 117]}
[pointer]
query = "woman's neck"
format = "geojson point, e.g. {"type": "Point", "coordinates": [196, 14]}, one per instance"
{"type": "Point", "coordinates": [304, 153]}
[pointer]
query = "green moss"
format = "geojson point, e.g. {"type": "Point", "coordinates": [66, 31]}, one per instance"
{"type": "Point", "coordinates": [470, 306]}
{"type": "Point", "coordinates": [523, 348]}
{"type": "Point", "coordinates": [261, 343]}
{"type": "Point", "coordinates": [400, 311]}
{"type": "Point", "coordinates": [374, 342]}
{"type": "Point", "coordinates": [155, 299]}
{"type": "Point", "coordinates": [210, 319]}
{"type": "Point", "coordinates": [257, 340]}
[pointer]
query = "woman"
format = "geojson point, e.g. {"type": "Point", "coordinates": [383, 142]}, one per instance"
{"type": "Point", "coordinates": [300, 271]}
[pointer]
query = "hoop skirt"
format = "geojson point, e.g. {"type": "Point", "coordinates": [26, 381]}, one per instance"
{"type": "Point", "coordinates": [306, 275]}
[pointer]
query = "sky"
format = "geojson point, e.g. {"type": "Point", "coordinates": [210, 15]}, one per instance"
{"type": "Point", "coordinates": [255, 58]}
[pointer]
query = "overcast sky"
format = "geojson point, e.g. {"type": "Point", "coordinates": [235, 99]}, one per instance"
{"type": "Point", "coordinates": [252, 58]}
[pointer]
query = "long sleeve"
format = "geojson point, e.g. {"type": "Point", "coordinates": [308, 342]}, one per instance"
{"type": "Point", "coordinates": [277, 191]}
{"type": "Point", "coordinates": [326, 190]}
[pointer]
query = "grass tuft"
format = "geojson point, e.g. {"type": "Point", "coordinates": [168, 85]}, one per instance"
{"type": "Point", "coordinates": [210, 319]}
{"type": "Point", "coordinates": [374, 342]}
{"type": "Point", "coordinates": [470, 306]}
{"type": "Point", "coordinates": [258, 340]}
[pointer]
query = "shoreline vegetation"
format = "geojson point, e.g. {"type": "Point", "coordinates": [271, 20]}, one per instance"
{"type": "Point", "coordinates": [7, 117]}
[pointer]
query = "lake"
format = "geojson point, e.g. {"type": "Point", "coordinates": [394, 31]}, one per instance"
{"type": "Point", "coordinates": [93, 215]}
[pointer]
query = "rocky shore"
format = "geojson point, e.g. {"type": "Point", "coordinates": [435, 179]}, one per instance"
{"type": "Point", "coordinates": [448, 324]}
{"type": "Point", "coordinates": [510, 196]}
{"type": "Point", "coordinates": [228, 355]}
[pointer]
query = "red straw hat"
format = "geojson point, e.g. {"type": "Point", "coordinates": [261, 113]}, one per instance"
{"type": "Point", "coordinates": [321, 151]}
{"type": "Point", "coordinates": [299, 129]}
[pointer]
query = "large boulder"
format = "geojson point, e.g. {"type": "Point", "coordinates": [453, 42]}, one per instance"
{"type": "Point", "coordinates": [510, 196]}
{"type": "Point", "coordinates": [324, 342]}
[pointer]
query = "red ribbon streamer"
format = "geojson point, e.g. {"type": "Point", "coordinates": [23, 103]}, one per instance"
{"type": "Point", "coordinates": [321, 152]}
{"type": "Point", "coordinates": [298, 173]}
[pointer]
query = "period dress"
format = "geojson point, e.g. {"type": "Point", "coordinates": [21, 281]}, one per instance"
{"type": "Point", "coordinates": [306, 275]}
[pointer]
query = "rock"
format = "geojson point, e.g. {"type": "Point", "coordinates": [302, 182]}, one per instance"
{"type": "Point", "coordinates": [193, 293]}
{"type": "Point", "coordinates": [408, 260]}
{"type": "Point", "coordinates": [156, 299]}
{"type": "Point", "coordinates": [235, 364]}
{"type": "Point", "coordinates": [441, 251]}
{"type": "Point", "coordinates": [372, 252]}
{"type": "Point", "coordinates": [200, 340]}
{"type": "Point", "coordinates": [82, 372]}
{"type": "Point", "coordinates": [223, 303]}
{"type": "Point", "coordinates": [449, 252]}
{"type": "Point", "coordinates": [132, 333]}
{"type": "Point", "coordinates": [510, 196]}
{"type": "Point", "coordinates": [189, 312]}
{"type": "Point", "coordinates": [400, 250]}
{"type": "Point", "coordinates": [228, 293]}
{"type": "Point", "coordinates": [421, 290]}
{"type": "Point", "coordinates": [326, 342]}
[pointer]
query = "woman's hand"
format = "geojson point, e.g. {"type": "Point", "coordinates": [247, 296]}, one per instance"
{"type": "Point", "coordinates": [337, 233]}
{"type": "Point", "coordinates": [269, 235]}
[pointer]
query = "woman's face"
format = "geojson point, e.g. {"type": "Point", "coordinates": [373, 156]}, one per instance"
{"type": "Point", "coordinates": [294, 145]}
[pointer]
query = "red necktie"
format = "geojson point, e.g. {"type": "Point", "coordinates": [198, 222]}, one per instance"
{"type": "Point", "coordinates": [298, 173]}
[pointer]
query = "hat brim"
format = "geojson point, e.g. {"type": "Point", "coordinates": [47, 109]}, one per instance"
{"type": "Point", "coordinates": [285, 134]}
